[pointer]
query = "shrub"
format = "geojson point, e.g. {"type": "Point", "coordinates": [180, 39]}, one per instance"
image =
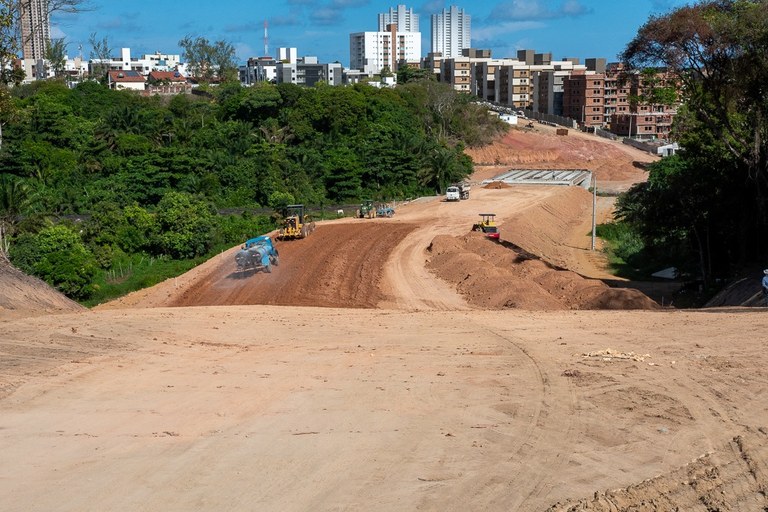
{"type": "Point", "coordinates": [185, 225]}
{"type": "Point", "coordinates": [58, 256]}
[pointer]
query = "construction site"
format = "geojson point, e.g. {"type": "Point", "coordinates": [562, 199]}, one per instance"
{"type": "Point", "coordinates": [394, 362]}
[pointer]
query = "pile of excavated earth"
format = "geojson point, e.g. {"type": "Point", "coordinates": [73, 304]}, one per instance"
{"type": "Point", "coordinates": [404, 363]}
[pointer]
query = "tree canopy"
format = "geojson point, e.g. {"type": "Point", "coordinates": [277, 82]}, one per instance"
{"type": "Point", "coordinates": [710, 202]}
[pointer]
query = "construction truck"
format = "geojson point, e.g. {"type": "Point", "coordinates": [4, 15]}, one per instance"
{"type": "Point", "coordinates": [464, 188]}
{"type": "Point", "coordinates": [452, 193]}
{"type": "Point", "coordinates": [385, 211]}
{"type": "Point", "coordinates": [296, 223]}
{"type": "Point", "coordinates": [257, 254]}
{"type": "Point", "coordinates": [367, 210]}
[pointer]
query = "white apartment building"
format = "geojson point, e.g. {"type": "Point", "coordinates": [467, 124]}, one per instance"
{"type": "Point", "coordinates": [451, 32]}
{"type": "Point", "coordinates": [308, 71]}
{"type": "Point", "coordinates": [288, 55]}
{"type": "Point", "coordinates": [154, 62]}
{"type": "Point", "coordinates": [371, 52]}
{"type": "Point", "coordinates": [404, 18]}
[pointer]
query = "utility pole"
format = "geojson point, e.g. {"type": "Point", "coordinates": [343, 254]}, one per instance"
{"type": "Point", "coordinates": [594, 208]}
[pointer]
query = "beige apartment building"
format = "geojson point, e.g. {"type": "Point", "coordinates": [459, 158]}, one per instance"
{"type": "Point", "coordinates": [35, 35]}
{"type": "Point", "coordinates": [513, 85]}
{"type": "Point", "coordinates": [594, 94]}
{"type": "Point", "coordinates": [457, 72]}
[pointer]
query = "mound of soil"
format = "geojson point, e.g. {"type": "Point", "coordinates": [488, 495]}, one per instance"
{"type": "Point", "coordinates": [499, 276]}
{"type": "Point", "coordinates": [518, 150]}
{"type": "Point", "coordinates": [22, 295]}
{"type": "Point", "coordinates": [732, 478]}
{"type": "Point", "coordinates": [496, 185]}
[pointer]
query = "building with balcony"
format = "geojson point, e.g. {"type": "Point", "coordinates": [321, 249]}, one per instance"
{"type": "Point", "coordinates": [372, 52]}
{"type": "Point", "coordinates": [259, 69]}
{"type": "Point", "coordinates": [402, 17]}
{"type": "Point", "coordinates": [458, 73]}
{"type": "Point", "coordinates": [35, 31]}
{"type": "Point", "coordinates": [144, 65]}
{"type": "Point", "coordinates": [584, 98]}
{"type": "Point", "coordinates": [308, 71]}
{"type": "Point", "coordinates": [451, 32]}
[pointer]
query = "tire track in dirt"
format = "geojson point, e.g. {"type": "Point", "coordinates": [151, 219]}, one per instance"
{"type": "Point", "coordinates": [339, 265]}
{"type": "Point", "coordinates": [536, 412]}
{"type": "Point", "coordinates": [533, 479]}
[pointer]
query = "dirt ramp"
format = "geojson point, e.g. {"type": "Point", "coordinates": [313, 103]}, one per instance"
{"type": "Point", "coordinates": [22, 295]}
{"type": "Point", "coordinates": [495, 276]}
{"type": "Point", "coordinates": [732, 478]}
{"type": "Point", "coordinates": [545, 150]}
{"type": "Point", "coordinates": [339, 265]}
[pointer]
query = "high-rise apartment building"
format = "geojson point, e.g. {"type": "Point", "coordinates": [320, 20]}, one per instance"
{"type": "Point", "coordinates": [404, 18]}
{"type": "Point", "coordinates": [35, 29]}
{"type": "Point", "coordinates": [451, 32]}
{"type": "Point", "coordinates": [372, 52]}
{"type": "Point", "coordinates": [35, 36]}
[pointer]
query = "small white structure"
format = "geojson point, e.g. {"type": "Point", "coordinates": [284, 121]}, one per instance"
{"type": "Point", "coordinates": [509, 119]}
{"type": "Point", "coordinates": [668, 149]}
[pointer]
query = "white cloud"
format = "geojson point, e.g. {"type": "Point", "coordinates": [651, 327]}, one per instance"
{"type": "Point", "coordinates": [490, 32]}
{"type": "Point", "coordinates": [57, 33]}
{"type": "Point", "coordinates": [537, 10]}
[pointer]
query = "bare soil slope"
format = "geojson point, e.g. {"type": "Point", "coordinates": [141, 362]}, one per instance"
{"type": "Point", "coordinates": [338, 265]}
{"type": "Point", "coordinates": [615, 164]}
{"type": "Point", "coordinates": [502, 276]}
{"type": "Point", "coordinates": [23, 295]}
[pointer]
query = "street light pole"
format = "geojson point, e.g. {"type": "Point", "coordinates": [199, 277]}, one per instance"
{"type": "Point", "coordinates": [594, 208]}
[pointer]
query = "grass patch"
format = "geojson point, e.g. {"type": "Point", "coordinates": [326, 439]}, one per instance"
{"type": "Point", "coordinates": [627, 254]}
{"type": "Point", "coordinates": [135, 272]}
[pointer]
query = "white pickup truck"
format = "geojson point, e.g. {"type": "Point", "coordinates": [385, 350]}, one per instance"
{"type": "Point", "coordinates": [452, 193]}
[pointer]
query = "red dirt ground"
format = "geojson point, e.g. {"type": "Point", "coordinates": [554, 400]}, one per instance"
{"type": "Point", "coordinates": [336, 266]}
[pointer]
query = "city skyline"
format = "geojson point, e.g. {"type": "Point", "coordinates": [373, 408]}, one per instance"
{"type": "Point", "coordinates": [566, 28]}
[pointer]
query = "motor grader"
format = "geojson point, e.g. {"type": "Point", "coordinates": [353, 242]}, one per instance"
{"type": "Point", "coordinates": [296, 223]}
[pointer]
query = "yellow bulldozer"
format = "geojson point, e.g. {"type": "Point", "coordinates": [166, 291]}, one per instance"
{"type": "Point", "coordinates": [296, 223]}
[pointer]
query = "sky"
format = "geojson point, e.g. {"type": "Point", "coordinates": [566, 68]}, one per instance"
{"type": "Point", "coordinates": [565, 28]}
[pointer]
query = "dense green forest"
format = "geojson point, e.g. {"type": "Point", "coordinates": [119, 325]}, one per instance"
{"type": "Point", "coordinates": [104, 191]}
{"type": "Point", "coordinates": [706, 209]}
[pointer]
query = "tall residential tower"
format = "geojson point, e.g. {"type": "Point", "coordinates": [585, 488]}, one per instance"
{"type": "Point", "coordinates": [35, 36]}
{"type": "Point", "coordinates": [451, 32]}
{"type": "Point", "coordinates": [405, 19]}
{"type": "Point", "coordinates": [35, 28]}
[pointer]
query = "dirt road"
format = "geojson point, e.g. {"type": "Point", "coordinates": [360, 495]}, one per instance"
{"type": "Point", "coordinates": [400, 393]}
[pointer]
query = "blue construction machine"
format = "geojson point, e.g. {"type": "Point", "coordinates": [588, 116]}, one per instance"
{"type": "Point", "coordinates": [257, 254]}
